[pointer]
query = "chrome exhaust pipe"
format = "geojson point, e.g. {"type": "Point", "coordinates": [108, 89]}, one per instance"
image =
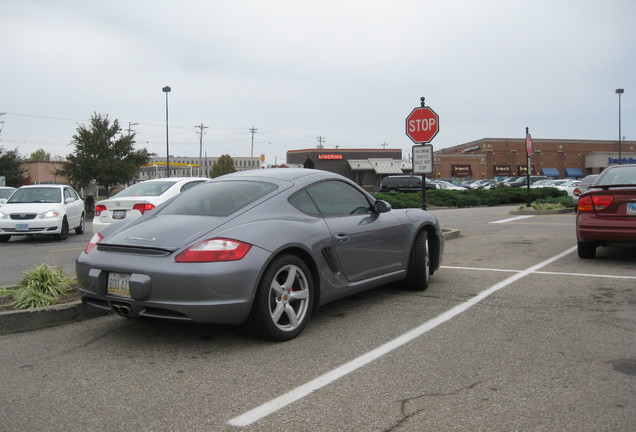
{"type": "Point", "coordinates": [122, 310]}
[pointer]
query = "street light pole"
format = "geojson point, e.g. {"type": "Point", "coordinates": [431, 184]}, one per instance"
{"type": "Point", "coordinates": [166, 90]}
{"type": "Point", "coordinates": [619, 92]}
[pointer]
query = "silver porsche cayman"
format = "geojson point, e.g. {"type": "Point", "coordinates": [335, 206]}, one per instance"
{"type": "Point", "coordinates": [264, 247]}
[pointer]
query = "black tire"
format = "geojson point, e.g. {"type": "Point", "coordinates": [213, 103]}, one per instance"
{"type": "Point", "coordinates": [284, 299]}
{"type": "Point", "coordinates": [586, 250]}
{"type": "Point", "coordinates": [419, 272]}
{"type": "Point", "coordinates": [82, 226]}
{"type": "Point", "coordinates": [4, 238]}
{"type": "Point", "coordinates": [63, 235]}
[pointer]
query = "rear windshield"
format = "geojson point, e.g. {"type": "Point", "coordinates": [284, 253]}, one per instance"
{"type": "Point", "coordinates": [221, 198]}
{"type": "Point", "coordinates": [618, 176]}
{"type": "Point", "coordinates": [146, 189]}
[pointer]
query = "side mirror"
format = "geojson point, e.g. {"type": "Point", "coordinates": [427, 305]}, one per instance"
{"type": "Point", "coordinates": [381, 206]}
{"type": "Point", "coordinates": [69, 200]}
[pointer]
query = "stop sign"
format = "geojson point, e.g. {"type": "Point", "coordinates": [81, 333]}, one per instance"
{"type": "Point", "coordinates": [422, 125]}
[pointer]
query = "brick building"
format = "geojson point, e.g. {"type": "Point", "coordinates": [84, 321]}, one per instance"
{"type": "Point", "coordinates": [502, 157]}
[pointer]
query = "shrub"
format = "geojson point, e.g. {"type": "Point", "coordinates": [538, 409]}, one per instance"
{"type": "Point", "coordinates": [41, 286]}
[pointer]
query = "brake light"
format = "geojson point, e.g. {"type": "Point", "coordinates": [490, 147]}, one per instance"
{"type": "Point", "coordinates": [214, 250]}
{"type": "Point", "coordinates": [594, 202]}
{"type": "Point", "coordinates": [92, 244]}
{"type": "Point", "coordinates": [143, 208]}
{"type": "Point", "coordinates": [99, 208]}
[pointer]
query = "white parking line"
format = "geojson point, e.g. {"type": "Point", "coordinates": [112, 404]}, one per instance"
{"type": "Point", "coordinates": [513, 219]}
{"type": "Point", "coordinates": [327, 378]}
{"type": "Point", "coordinates": [539, 272]}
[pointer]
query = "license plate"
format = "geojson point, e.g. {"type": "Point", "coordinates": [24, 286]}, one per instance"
{"type": "Point", "coordinates": [119, 214]}
{"type": "Point", "coordinates": [21, 227]}
{"type": "Point", "coordinates": [118, 284]}
{"type": "Point", "coordinates": [631, 208]}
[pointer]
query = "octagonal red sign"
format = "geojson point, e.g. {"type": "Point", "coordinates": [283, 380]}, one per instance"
{"type": "Point", "coordinates": [422, 125]}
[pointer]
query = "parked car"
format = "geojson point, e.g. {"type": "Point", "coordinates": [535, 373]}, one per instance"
{"type": "Point", "coordinates": [5, 193]}
{"type": "Point", "coordinates": [266, 246]}
{"type": "Point", "coordinates": [401, 183]}
{"type": "Point", "coordinates": [607, 211]}
{"type": "Point", "coordinates": [139, 198]}
{"type": "Point", "coordinates": [446, 185]}
{"type": "Point", "coordinates": [45, 209]}
{"type": "Point", "coordinates": [523, 180]}
{"type": "Point", "coordinates": [582, 187]}
{"type": "Point", "coordinates": [568, 185]}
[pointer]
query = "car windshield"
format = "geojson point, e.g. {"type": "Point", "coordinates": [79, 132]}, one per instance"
{"type": "Point", "coordinates": [220, 198]}
{"type": "Point", "coordinates": [625, 175]}
{"type": "Point", "coordinates": [154, 188]}
{"type": "Point", "coordinates": [36, 195]}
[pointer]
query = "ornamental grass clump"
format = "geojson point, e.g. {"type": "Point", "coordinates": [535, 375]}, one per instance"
{"type": "Point", "coordinates": [41, 286]}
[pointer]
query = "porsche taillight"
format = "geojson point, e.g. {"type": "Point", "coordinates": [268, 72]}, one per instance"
{"type": "Point", "coordinates": [92, 244]}
{"type": "Point", "coordinates": [214, 250]}
{"type": "Point", "coordinates": [589, 203]}
{"type": "Point", "coordinates": [143, 207]}
{"type": "Point", "coordinates": [99, 208]}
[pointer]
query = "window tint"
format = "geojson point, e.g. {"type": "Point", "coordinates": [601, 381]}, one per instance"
{"type": "Point", "coordinates": [221, 198]}
{"type": "Point", "coordinates": [336, 198]}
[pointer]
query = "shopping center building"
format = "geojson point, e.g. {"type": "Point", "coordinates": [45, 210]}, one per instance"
{"type": "Point", "coordinates": [486, 158]}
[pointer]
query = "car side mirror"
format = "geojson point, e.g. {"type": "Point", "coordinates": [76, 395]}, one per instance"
{"type": "Point", "coordinates": [381, 206]}
{"type": "Point", "coordinates": [69, 200]}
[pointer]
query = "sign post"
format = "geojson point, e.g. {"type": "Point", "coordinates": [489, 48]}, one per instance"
{"type": "Point", "coordinates": [422, 124]}
{"type": "Point", "coordinates": [528, 162]}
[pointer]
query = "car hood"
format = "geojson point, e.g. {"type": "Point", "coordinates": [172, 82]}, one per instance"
{"type": "Point", "coordinates": [29, 207]}
{"type": "Point", "coordinates": [169, 232]}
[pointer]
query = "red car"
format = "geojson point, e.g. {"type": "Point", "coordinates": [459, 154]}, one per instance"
{"type": "Point", "coordinates": [606, 213]}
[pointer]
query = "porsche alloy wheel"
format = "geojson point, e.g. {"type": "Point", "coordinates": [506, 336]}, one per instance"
{"type": "Point", "coordinates": [284, 300]}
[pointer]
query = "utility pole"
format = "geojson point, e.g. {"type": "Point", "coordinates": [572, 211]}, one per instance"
{"type": "Point", "coordinates": [253, 130]}
{"type": "Point", "coordinates": [201, 127]}
{"type": "Point", "coordinates": [384, 144]}
{"type": "Point", "coordinates": [2, 121]}
{"type": "Point", "coordinates": [130, 126]}
{"type": "Point", "coordinates": [320, 139]}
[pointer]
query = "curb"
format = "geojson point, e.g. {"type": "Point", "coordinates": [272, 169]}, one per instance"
{"type": "Point", "coordinates": [51, 316]}
{"type": "Point", "coordinates": [541, 212]}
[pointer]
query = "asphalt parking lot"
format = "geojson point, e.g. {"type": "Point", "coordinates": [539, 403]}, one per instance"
{"type": "Point", "coordinates": [515, 333]}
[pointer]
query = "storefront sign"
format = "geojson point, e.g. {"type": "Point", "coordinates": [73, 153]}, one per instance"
{"type": "Point", "coordinates": [461, 170]}
{"type": "Point", "coordinates": [501, 170]}
{"type": "Point", "coordinates": [329, 156]}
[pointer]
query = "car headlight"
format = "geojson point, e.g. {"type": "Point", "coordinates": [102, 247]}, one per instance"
{"type": "Point", "coordinates": [3, 215]}
{"type": "Point", "coordinates": [50, 214]}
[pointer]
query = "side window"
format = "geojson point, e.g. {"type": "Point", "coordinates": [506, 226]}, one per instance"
{"type": "Point", "coordinates": [187, 186]}
{"type": "Point", "coordinates": [302, 201]}
{"type": "Point", "coordinates": [67, 194]}
{"type": "Point", "coordinates": [336, 198]}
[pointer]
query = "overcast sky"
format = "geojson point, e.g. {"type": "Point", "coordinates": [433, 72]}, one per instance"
{"type": "Point", "coordinates": [348, 71]}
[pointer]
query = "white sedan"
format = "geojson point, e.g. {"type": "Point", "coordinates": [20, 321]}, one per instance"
{"type": "Point", "coordinates": [45, 209]}
{"type": "Point", "coordinates": [139, 198]}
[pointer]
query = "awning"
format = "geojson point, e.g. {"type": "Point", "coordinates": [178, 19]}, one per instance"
{"type": "Point", "coordinates": [574, 172]}
{"type": "Point", "coordinates": [550, 172]}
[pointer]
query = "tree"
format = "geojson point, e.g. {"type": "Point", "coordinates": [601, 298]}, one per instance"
{"type": "Point", "coordinates": [10, 167]}
{"type": "Point", "coordinates": [39, 155]}
{"type": "Point", "coordinates": [224, 165]}
{"type": "Point", "coordinates": [104, 155]}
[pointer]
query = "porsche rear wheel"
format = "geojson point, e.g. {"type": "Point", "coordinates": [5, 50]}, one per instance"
{"type": "Point", "coordinates": [284, 300]}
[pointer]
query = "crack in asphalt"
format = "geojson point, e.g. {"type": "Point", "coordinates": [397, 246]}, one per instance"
{"type": "Point", "coordinates": [404, 402]}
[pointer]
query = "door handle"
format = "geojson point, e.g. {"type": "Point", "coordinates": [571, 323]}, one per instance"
{"type": "Point", "coordinates": [342, 237]}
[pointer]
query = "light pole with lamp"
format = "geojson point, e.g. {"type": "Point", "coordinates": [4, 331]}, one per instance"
{"type": "Point", "coordinates": [619, 92]}
{"type": "Point", "coordinates": [166, 90]}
